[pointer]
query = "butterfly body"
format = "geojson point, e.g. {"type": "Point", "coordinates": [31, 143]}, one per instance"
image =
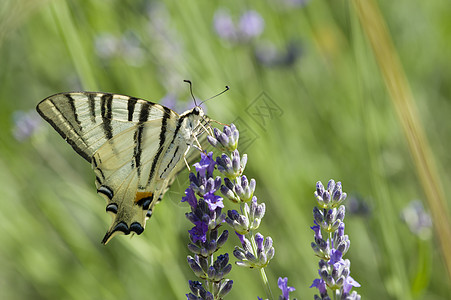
{"type": "Point", "coordinates": [135, 147]}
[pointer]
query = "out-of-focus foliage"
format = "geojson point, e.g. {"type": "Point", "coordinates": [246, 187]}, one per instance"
{"type": "Point", "coordinates": [306, 95]}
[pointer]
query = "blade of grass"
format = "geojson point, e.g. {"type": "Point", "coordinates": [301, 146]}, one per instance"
{"type": "Point", "coordinates": [74, 44]}
{"type": "Point", "coordinates": [403, 101]}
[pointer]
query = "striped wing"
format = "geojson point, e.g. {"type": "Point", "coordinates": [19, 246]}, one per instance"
{"type": "Point", "coordinates": [129, 142]}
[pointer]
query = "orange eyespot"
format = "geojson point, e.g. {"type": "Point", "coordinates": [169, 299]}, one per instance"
{"type": "Point", "coordinates": [142, 195]}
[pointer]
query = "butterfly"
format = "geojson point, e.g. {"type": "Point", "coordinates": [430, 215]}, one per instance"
{"type": "Point", "coordinates": [135, 147]}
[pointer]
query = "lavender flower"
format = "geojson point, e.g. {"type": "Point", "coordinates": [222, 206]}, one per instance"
{"type": "Point", "coordinates": [283, 285]}
{"type": "Point", "coordinates": [255, 251]}
{"type": "Point", "coordinates": [207, 217]}
{"type": "Point", "coordinates": [334, 271]}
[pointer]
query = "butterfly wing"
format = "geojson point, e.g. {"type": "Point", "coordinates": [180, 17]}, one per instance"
{"type": "Point", "coordinates": [125, 139]}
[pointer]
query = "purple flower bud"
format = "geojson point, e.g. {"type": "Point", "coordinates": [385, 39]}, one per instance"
{"type": "Point", "coordinates": [331, 185]}
{"type": "Point", "coordinates": [194, 248]}
{"type": "Point", "coordinates": [211, 247]}
{"type": "Point", "coordinates": [270, 254]}
{"type": "Point", "coordinates": [211, 273]}
{"type": "Point", "coordinates": [337, 192]}
{"type": "Point", "coordinates": [268, 243]}
{"type": "Point", "coordinates": [223, 138]}
{"type": "Point", "coordinates": [251, 24]}
{"type": "Point", "coordinates": [341, 229]}
{"type": "Point", "coordinates": [259, 239]}
{"type": "Point", "coordinates": [194, 265]}
{"type": "Point", "coordinates": [317, 230]}
{"type": "Point", "coordinates": [214, 142]}
{"type": "Point", "coordinates": [238, 222]}
{"type": "Point", "coordinates": [250, 256]}
{"type": "Point", "coordinates": [190, 198]}
{"type": "Point", "coordinates": [242, 238]}
{"type": "Point", "coordinates": [341, 213]}
{"type": "Point", "coordinates": [326, 197]}
{"type": "Point", "coordinates": [317, 215]}
{"type": "Point", "coordinates": [202, 261]}
{"type": "Point", "coordinates": [319, 188]}
{"type": "Point", "coordinates": [225, 288]}
{"type": "Point", "coordinates": [259, 212]}
{"type": "Point", "coordinates": [239, 254]}
{"type": "Point", "coordinates": [324, 273]}
{"type": "Point", "coordinates": [330, 215]}
{"type": "Point", "coordinates": [222, 238]}
{"type": "Point", "coordinates": [227, 131]}
{"type": "Point", "coordinates": [252, 184]}
{"type": "Point", "coordinates": [330, 280]}
{"type": "Point", "coordinates": [236, 162]}
{"type": "Point", "coordinates": [221, 261]}
{"type": "Point", "coordinates": [315, 248]}
{"type": "Point", "coordinates": [243, 163]}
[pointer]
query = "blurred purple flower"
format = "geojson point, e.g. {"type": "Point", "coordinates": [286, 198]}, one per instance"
{"type": "Point", "coordinates": [25, 124]}
{"type": "Point", "coordinates": [224, 26]}
{"type": "Point", "coordinates": [127, 47]}
{"type": "Point", "coordinates": [269, 55]}
{"type": "Point", "coordinates": [106, 45]}
{"type": "Point", "coordinates": [417, 219]}
{"type": "Point", "coordinates": [251, 24]}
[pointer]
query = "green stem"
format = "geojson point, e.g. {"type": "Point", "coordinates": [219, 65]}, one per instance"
{"type": "Point", "coordinates": [262, 270]}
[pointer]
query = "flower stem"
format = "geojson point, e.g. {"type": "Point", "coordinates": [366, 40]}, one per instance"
{"type": "Point", "coordinates": [266, 284]}
{"type": "Point", "coordinates": [262, 271]}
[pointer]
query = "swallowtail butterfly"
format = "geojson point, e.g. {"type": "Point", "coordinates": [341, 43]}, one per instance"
{"type": "Point", "coordinates": [135, 147]}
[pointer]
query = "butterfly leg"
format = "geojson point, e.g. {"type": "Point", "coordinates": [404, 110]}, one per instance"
{"type": "Point", "coordinates": [220, 123]}
{"type": "Point", "coordinates": [207, 130]}
{"type": "Point", "coordinates": [198, 146]}
{"type": "Point", "coordinates": [184, 158]}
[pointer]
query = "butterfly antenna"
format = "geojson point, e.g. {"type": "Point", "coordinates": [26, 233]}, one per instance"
{"type": "Point", "coordinates": [226, 89]}
{"type": "Point", "coordinates": [191, 90]}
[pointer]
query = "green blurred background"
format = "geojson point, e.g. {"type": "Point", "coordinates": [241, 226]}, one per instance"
{"type": "Point", "coordinates": [307, 96]}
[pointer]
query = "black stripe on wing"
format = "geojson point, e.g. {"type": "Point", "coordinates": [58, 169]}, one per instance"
{"type": "Point", "coordinates": [143, 117]}
{"type": "Point", "coordinates": [106, 102]}
{"type": "Point", "coordinates": [47, 106]}
{"type": "Point", "coordinates": [161, 147]}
